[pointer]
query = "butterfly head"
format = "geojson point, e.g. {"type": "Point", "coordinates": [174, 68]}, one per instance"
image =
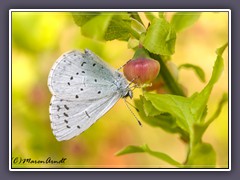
{"type": "Point", "coordinates": [125, 89]}
{"type": "Point", "coordinates": [129, 93]}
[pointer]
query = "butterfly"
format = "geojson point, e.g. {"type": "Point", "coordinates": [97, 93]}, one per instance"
{"type": "Point", "coordinates": [83, 89]}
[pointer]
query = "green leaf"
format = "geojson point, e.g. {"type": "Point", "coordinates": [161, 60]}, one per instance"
{"type": "Point", "coordinates": [198, 70]}
{"type": "Point", "coordinates": [150, 16]}
{"type": "Point", "coordinates": [137, 26]}
{"type": "Point", "coordinates": [217, 70]}
{"type": "Point", "coordinates": [96, 27]}
{"type": "Point", "coordinates": [204, 114]}
{"type": "Point", "coordinates": [177, 106]}
{"type": "Point", "coordinates": [220, 50]}
{"type": "Point", "coordinates": [107, 25]}
{"type": "Point", "coordinates": [154, 118]}
{"type": "Point", "coordinates": [119, 28]}
{"type": "Point", "coordinates": [160, 37]}
{"type": "Point", "coordinates": [129, 150]}
{"type": "Point", "coordinates": [202, 156]}
{"type": "Point", "coordinates": [80, 18]}
{"type": "Point", "coordinates": [135, 16]}
{"type": "Point", "coordinates": [199, 101]}
{"type": "Point", "coordinates": [145, 148]}
{"type": "Point", "coordinates": [148, 108]}
{"type": "Point", "coordinates": [183, 20]}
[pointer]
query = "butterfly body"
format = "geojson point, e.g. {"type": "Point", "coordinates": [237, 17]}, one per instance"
{"type": "Point", "coordinates": [84, 88]}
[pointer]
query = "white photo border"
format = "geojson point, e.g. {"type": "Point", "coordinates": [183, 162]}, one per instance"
{"type": "Point", "coordinates": [119, 169]}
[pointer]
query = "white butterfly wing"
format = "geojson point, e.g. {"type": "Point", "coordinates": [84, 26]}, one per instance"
{"type": "Point", "coordinates": [76, 73]}
{"type": "Point", "coordinates": [84, 88]}
{"type": "Point", "coordinates": [71, 118]}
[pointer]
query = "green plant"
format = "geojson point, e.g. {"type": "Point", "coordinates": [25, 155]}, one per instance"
{"type": "Point", "coordinates": [173, 112]}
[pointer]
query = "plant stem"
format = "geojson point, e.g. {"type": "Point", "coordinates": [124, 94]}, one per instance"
{"type": "Point", "coordinates": [167, 77]}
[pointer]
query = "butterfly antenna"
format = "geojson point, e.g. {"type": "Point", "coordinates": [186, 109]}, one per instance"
{"type": "Point", "coordinates": [123, 65]}
{"type": "Point", "coordinates": [127, 103]}
{"type": "Point", "coordinates": [131, 82]}
{"type": "Point", "coordinates": [132, 105]}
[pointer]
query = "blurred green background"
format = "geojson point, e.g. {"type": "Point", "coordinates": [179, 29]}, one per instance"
{"type": "Point", "coordinates": [39, 38]}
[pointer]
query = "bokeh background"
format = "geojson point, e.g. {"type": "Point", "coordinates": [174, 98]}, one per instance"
{"type": "Point", "coordinates": [39, 38]}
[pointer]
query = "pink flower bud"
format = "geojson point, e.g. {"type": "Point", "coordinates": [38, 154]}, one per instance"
{"type": "Point", "coordinates": [141, 70]}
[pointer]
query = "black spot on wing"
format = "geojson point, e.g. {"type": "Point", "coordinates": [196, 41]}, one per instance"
{"type": "Point", "coordinates": [58, 107]}
{"type": "Point", "coordinates": [66, 107]}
